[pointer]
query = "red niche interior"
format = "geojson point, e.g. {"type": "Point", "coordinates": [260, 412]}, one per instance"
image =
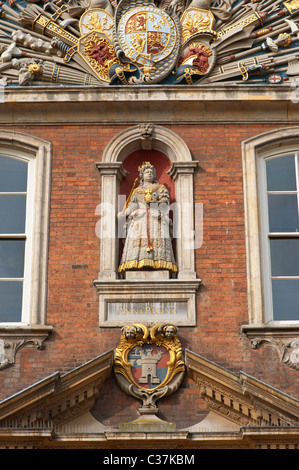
{"type": "Point", "coordinates": [156, 158]}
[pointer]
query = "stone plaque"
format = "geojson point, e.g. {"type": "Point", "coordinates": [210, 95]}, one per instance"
{"type": "Point", "coordinates": [147, 311]}
{"type": "Point", "coordinates": [147, 300]}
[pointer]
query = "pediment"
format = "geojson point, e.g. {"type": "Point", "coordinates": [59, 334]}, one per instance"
{"type": "Point", "coordinates": [56, 411]}
{"type": "Point", "coordinates": [240, 397]}
{"type": "Point", "coordinates": [58, 398]}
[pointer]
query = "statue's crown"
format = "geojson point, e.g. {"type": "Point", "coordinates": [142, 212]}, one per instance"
{"type": "Point", "coordinates": [144, 164]}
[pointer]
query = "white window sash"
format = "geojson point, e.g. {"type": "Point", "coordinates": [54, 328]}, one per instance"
{"type": "Point", "coordinates": [37, 153]}
{"type": "Point", "coordinates": [266, 236]}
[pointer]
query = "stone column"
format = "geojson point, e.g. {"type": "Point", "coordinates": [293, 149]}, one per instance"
{"type": "Point", "coordinates": [182, 174]}
{"type": "Point", "coordinates": [40, 237]}
{"type": "Point", "coordinates": [107, 227]}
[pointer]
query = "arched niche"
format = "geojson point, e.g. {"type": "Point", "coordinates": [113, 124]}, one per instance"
{"type": "Point", "coordinates": [162, 165]}
{"type": "Point", "coordinates": [146, 298]}
{"type": "Point", "coordinates": [148, 137]}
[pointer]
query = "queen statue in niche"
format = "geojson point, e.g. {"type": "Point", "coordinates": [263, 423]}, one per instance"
{"type": "Point", "coordinates": [148, 242]}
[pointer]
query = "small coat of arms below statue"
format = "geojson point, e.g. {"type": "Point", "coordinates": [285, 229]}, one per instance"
{"type": "Point", "coordinates": [148, 364]}
{"type": "Point", "coordinates": [142, 42]}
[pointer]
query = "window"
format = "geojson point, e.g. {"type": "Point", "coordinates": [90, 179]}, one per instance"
{"type": "Point", "coordinates": [24, 212]}
{"type": "Point", "coordinates": [15, 239]}
{"type": "Point", "coordinates": [271, 190]}
{"type": "Point", "coordinates": [25, 165]}
{"type": "Point", "coordinates": [271, 207]}
{"type": "Point", "coordinates": [279, 191]}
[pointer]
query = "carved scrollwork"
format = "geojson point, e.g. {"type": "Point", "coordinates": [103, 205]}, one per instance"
{"type": "Point", "coordinates": [148, 364]}
{"type": "Point", "coordinates": [288, 350]}
{"type": "Point", "coordinates": [10, 347]}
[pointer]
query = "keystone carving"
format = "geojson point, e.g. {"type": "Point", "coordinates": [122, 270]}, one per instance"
{"type": "Point", "coordinates": [146, 130]}
{"type": "Point", "coordinates": [146, 133]}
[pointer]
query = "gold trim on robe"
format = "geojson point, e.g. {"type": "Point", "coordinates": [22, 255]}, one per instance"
{"type": "Point", "coordinates": [148, 263]}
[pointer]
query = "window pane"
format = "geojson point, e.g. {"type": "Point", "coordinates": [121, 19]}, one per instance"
{"type": "Point", "coordinates": [12, 258]}
{"type": "Point", "coordinates": [285, 299]}
{"type": "Point", "coordinates": [11, 301]}
{"type": "Point", "coordinates": [12, 213]}
{"type": "Point", "coordinates": [284, 256]}
{"type": "Point", "coordinates": [13, 175]}
{"type": "Point", "coordinates": [283, 213]}
{"type": "Point", "coordinates": [281, 174]}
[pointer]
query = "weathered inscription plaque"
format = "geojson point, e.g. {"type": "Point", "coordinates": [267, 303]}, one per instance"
{"type": "Point", "coordinates": [147, 301]}
{"type": "Point", "coordinates": [147, 311]}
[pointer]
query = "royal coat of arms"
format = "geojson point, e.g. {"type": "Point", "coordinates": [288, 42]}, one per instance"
{"type": "Point", "coordinates": [148, 363]}
{"type": "Point", "coordinates": [143, 42]}
{"type": "Point", "coordinates": [148, 38]}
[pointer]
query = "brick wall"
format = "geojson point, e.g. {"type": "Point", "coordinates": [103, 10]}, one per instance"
{"type": "Point", "coordinates": [74, 264]}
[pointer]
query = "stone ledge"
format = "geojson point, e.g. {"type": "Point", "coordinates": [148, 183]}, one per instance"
{"type": "Point", "coordinates": [7, 329]}
{"type": "Point", "coordinates": [287, 330]}
{"type": "Point", "coordinates": [160, 104]}
{"type": "Point", "coordinates": [152, 92]}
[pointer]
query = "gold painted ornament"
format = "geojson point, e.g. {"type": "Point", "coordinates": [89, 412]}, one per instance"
{"type": "Point", "coordinates": [140, 43]}
{"type": "Point", "coordinates": [148, 363]}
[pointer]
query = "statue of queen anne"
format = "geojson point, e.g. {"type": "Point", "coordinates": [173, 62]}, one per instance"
{"type": "Point", "coordinates": [148, 244]}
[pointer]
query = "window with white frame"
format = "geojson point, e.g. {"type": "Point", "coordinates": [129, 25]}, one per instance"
{"type": "Point", "coordinates": [271, 189]}
{"type": "Point", "coordinates": [279, 216]}
{"type": "Point", "coordinates": [16, 180]}
{"type": "Point", "coordinates": [25, 165]}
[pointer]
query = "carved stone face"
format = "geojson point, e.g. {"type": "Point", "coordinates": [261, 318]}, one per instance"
{"type": "Point", "coordinates": [130, 333]}
{"type": "Point", "coordinates": [169, 332]}
{"type": "Point", "coordinates": [146, 130]}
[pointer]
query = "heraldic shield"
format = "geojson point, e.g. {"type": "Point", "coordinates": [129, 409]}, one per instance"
{"type": "Point", "coordinates": [148, 37]}
{"type": "Point", "coordinates": [148, 364]}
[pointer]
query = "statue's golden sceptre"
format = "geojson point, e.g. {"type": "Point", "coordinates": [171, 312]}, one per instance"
{"type": "Point", "coordinates": [130, 195]}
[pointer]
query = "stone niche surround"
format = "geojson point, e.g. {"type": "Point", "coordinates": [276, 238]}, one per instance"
{"type": "Point", "coordinates": [146, 296]}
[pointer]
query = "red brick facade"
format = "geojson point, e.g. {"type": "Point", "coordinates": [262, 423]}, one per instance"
{"type": "Point", "coordinates": [73, 264]}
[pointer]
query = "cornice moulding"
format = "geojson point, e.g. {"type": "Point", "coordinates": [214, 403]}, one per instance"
{"type": "Point", "coordinates": [240, 397]}
{"type": "Point", "coordinates": [154, 93]}
{"type": "Point", "coordinates": [161, 105]}
{"type": "Point", "coordinates": [59, 396]}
